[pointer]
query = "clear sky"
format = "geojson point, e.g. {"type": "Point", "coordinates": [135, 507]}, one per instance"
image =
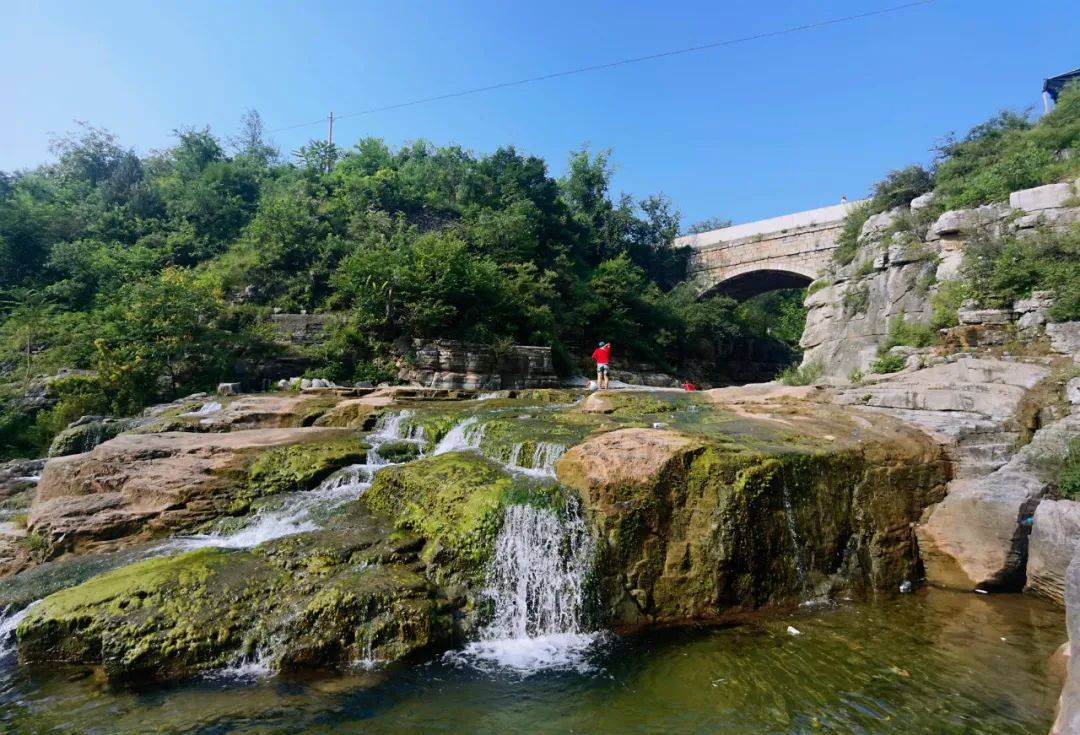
{"type": "Point", "coordinates": [747, 131]}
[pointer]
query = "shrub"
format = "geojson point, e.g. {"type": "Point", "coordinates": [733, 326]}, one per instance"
{"type": "Point", "coordinates": [888, 363]}
{"type": "Point", "coordinates": [1068, 477]}
{"type": "Point", "coordinates": [912, 334]}
{"type": "Point", "coordinates": [899, 187]}
{"type": "Point", "coordinates": [998, 271]}
{"type": "Point", "coordinates": [847, 242]}
{"type": "Point", "coordinates": [856, 299]}
{"type": "Point", "coordinates": [818, 285]}
{"type": "Point", "coordinates": [946, 302]}
{"type": "Point", "coordinates": [855, 376]}
{"type": "Point", "coordinates": [802, 375]}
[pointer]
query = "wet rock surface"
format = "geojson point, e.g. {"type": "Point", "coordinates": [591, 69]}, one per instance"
{"type": "Point", "coordinates": [149, 484]}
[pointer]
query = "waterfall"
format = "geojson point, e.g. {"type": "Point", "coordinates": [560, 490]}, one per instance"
{"type": "Point", "coordinates": [466, 434]}
{"type": "Point", "coordinates": [390, 424]}
{"type": "Point", "coordinates": [9, 621]}
{"type": "Point", "coordinates": [536, 584]}
{"type": "Point", "coordinates": [488, 396]}
{"type": "Point", "coordinates": [796, 547]}
{"type": "Point", "coordinates": [542, 462]}
{"type": "Point", "coordinates": [204, 410]}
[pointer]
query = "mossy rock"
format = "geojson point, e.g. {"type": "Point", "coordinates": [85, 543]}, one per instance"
{"type": "Point", "coordinates": [161, 618]}
{"type": "Point", "coordinates": [454, 501]}
{"type": "Point", "coordinates": [399, 451]}
{"type": "Point", "coordinates": [350, 414]}
{"type": "Point", "coordinates": [632, 404]}
{"type": "Point", "coordinates": [86, 436]}
{"type": "Point", "coordinates": [302, 466]}
{"type": "Point", "coordinates": [317, 600]}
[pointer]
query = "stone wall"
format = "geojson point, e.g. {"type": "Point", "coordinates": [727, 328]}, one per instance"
{"type": "Point", "coordinates": [452, 364]}
{"type": "Point", "coordinates": [901, 264]}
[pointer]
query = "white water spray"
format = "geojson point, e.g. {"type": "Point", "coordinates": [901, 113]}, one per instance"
{"type": "Point", "coordinates": [536, 583]}
{"type": "Point", "coordinates": [9, 621]}
{"type": "Point", "coordinates": [465, 435]}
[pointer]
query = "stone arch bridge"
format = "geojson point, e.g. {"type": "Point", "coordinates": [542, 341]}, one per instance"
{"type": "Point", "coordinates": [755, 257]}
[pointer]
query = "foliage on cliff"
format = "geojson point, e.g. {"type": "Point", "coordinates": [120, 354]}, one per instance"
{"type": "Point", "coordinates": [1006, 153]}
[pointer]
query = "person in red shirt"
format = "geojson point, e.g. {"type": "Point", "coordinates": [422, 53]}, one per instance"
{"type": "Point", "coordinates": [602, 355]}
{"type": "Point", "coordinates": [688, 386]}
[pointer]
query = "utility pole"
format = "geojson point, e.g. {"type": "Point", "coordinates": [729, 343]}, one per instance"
{"type": "Point", "coordinates": [329, 141]}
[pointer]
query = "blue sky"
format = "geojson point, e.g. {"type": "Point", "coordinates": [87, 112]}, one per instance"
{"type": "Point", "coordinates": [745, 132]}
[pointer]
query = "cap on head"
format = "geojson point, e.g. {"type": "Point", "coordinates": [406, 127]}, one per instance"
{"type": "Point", "coordinates": [602, 343]}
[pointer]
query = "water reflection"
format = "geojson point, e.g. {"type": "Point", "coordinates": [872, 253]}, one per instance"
{"type": "Point", "coordinates": [936, 662]}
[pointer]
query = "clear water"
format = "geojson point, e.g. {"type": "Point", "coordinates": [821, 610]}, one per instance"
{"type": "Point", "coordinates": [935, 662]}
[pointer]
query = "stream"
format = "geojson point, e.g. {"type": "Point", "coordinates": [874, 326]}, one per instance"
{"type": "Point", "coordinates": [932, 662]}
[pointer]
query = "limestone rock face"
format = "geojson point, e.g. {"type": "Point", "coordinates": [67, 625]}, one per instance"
{"type": "Point", "coordinates": [900, 264]}
{"type": "Point", "coordinates": [451, 364]}
{"type": "Point", "coordinates": [978, 537]}
{"type": "Point", "coordinates": [691, 528]}
{"type": "Point", "coordinates": [1055, 535]}
{"type": "Point", "coordinates": [138, 484]}
{"type": "Point", "coordinates": [1067, 720]}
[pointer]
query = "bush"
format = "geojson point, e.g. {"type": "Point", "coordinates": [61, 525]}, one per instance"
{"type": "Point", "coordinates": [855, 376]}
{"type": "Point", "coordinates": [856, 299]}
{"type": "Point", "coordinates": [912, 334]}
{"type": "Point", "coordinates": [899, 187]}
{"type": "Point", "coordinates": [802, 375]}
{"type": "Point", "coordinates": [888, 363]}
{"type": "Point", "coordinates": [847, 242]}
{"type": "Point", "coordinates": [999, 271]}
{"type": "Point", "coordinates": [945, 304]}
{"type": "Point", "coordinates": [1068, 477]}
{"type": "Point", "coordinates": [1009, 152]}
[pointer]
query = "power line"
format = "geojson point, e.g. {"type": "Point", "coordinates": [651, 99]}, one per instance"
{"type": "Point", "coordinates": [613, 64]}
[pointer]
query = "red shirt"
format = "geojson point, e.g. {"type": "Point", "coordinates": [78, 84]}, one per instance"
{"type": "Point", "coordinates": [602, 355]}
{"type": "Point", "coordinates": [689, 386]}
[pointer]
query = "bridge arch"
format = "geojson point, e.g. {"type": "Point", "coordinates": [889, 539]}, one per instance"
{"type": "Point", "coordinates": [750, 282]}
{"type": "Point", "coordinates": [768, 255]}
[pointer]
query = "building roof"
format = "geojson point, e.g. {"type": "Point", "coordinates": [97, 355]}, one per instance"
{"type": "Point", "coordinates": [1054, 85]}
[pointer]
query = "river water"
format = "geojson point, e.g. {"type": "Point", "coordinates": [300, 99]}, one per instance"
{"type": "Point", "coordinates": [932, 662]}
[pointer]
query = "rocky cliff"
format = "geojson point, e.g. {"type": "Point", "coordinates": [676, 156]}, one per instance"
{"type": "Point", "coordinates": [904, 256]}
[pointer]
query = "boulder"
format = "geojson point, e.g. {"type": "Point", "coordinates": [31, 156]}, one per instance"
{"type": "Point", "coordinates": [17, 475]}
{"type": "Point", "coordinates": [1051, 196]}
{"type": "Point", "coordinates": [1055, 535]}
{"type": "Point", "coordinates": [922, 201]}
{"type": "Point", "coordinates": [1067, 720]}
{"type": "Point", "coordinates": [1065, 338]}
{"type": "Point", "coordinates": [1072, 391]}
{"type": "Point", "coordinates": [317, 600]}
{"type": "Point", "coordinates": [150, 484]}
{"type": "Point", "coordinates": [693, 528]}
{"type": "Point", "coordinates": [228, 389]}
{"type": "Point", "coordinates": [978, 537]}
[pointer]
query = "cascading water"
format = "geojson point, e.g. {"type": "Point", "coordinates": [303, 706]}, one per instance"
{"type": "Point", "coordinates": [536, 583]}
{"type": "Point", "coordinates": [465, 435]}
{"type": "Point", "coordinates": [206, 409]}
{"type": "Point", "coordinates": [542, 462]}
{"type": "Point", "coordinates": [9, 621]}
{"type": "Point", "coordinates": [793, 532]}
{"type": "Point", "coordinates": [296, 512]}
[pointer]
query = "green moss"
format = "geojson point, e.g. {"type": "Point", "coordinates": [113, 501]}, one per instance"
{"type": "Point", "coordinates": [453, 500]}
{"type": "Point", "coordinates": [301, 466]}
{"type": "Point", "coordinates": [399, 451]}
